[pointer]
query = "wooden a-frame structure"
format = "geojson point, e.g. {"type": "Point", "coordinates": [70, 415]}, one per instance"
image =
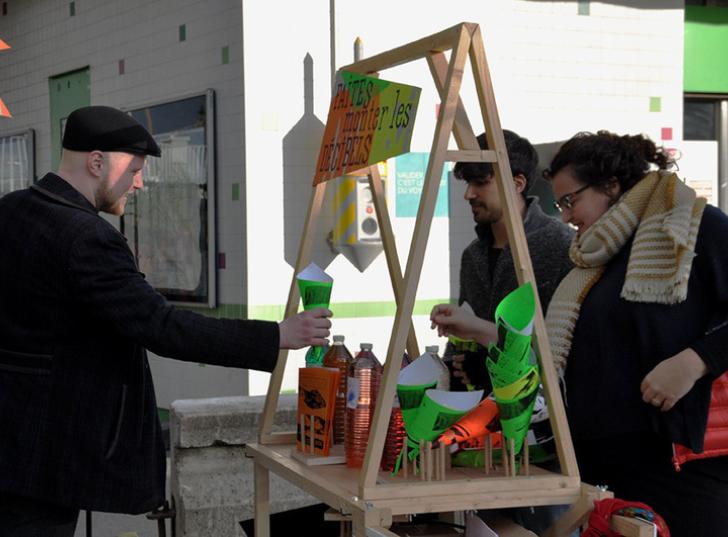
{"type": "Point", "coordinates": [372, 497]}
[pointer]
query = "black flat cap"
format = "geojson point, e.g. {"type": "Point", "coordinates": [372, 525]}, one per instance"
{"type": "Point", "coordinates": [103, 128]}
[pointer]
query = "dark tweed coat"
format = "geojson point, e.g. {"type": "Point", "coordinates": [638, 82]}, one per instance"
{"type": "Point", "coordinates": [78, 417]}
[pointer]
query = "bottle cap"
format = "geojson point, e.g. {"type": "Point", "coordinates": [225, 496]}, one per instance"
{"type": "Point", "coordinates": [365, 346]}
{"type": "Point", "coordinates": [338, 339]}
{"type": "Point", "coordinates": [434, 349]}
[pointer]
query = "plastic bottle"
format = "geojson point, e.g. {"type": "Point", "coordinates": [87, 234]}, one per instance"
{"type": "Point", "coordinates": [314, 355]}
{"type": "Point", "coordinates": [339, 357]}
{"type": "Point", "coordinates": [443, 381]}
{"type": "Point", "coordinates": [395, 431]}
{"type": "Point", "coordinates": [365, 374]}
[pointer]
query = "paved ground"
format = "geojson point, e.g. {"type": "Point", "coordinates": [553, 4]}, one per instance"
{"type": "Point", "coordinates": [113, 525]}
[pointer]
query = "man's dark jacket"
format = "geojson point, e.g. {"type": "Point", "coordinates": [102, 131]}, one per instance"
{"type": "Point", "coordinates": [78, 416]}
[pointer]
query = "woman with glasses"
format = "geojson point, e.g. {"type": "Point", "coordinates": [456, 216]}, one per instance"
{"type": "Point", "coordinates": [639, 330]}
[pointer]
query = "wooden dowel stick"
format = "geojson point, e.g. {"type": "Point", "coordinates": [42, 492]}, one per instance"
{"type": "Point", "coordinates": [429, 461]}
{"type": "Point", "coordinates": [512, 449]}
{"type": "Point", "coordinates": [526, 456]}
{"type": "Point", "coordinates": [485, 455]}
{"type": "Point", "coordinates": [435, 455]}
{"type": "Point", "coordinates": [504, 456]}
{"type": "Point", "coordinates": [443, 460]}
{"type": "Point", "coordinates": [422, 460]}
{"type": "Point", "coordinates": [405, 458]}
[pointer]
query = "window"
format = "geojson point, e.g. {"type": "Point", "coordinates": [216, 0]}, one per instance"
{"type": "Point", "coordinates": [699, 119]}
{"type": "Point", "coordinates": [171, 223]}
{"type": "Point", "coordinates": [17, 152]}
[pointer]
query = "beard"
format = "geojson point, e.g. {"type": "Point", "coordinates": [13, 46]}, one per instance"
{"type": "Point", "coordinates": [483, 215]}
{"type": "Point", "coordinates": [106, 203]}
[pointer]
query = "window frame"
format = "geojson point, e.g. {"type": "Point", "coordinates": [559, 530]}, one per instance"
{"type": "Point", "coordinates": [211, 170]}
{"type": "Point", "coordinates": [30, 148]}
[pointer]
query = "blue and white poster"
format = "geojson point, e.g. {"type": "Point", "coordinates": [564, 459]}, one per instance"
{"type": "Point", "coordinates": [409, 173]}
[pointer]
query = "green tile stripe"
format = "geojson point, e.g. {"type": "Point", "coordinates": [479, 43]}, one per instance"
{"type": "Point", "coordinates": [223, 311]}
{"type": "Point", "coordinates": [236, 191]}
{"type": "Point", "coordinates": [655, 104]}
{"type": "Point", "coordinates": [584, 7]}
{"type": "Point", "coordinates": [342, 310]}
{"type": "Point", "coordinates": [163, 414]}
{"type": "Point", "coordinates": [225, 55]}
{"type": "Point", "coordinates": [183, 32]}
{"type": "Point", "coordinates": [350, 310]}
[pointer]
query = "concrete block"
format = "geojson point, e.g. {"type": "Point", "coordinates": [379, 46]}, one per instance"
{"type": "Point", "coordinates": [225, 420]}
{"type": "Point", "coordinates": [212, 481]}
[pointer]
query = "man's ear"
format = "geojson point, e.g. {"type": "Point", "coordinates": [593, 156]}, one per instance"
{"type": "Point", "coordinates": [520, 182]}
{"type": "Point", "coordinates": [95, 163]}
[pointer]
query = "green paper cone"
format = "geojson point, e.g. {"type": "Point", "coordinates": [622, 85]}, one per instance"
{"type": "Point", "coordinates": [439, 410]}
{"type": "Point", "coordinates": [410, 399]}
{"type": "Point", "coordinates": [315, 294]}
{"type": "Point", "coordinates": [315, 287]}
{"type": "Point", "coordinates": [413, 381]}
{"type": "Point", "coordinates": [512, 364]}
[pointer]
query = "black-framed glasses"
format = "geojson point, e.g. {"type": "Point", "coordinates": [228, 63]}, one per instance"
{"type": "Point", "coordinates": [567, 200]}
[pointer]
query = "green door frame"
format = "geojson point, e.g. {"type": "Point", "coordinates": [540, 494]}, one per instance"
{"type": "Point", "coordinates": [67, 92]}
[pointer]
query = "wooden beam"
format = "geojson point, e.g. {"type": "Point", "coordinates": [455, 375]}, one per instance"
{"type": "Point", "coordinates": [578, 512]}
{"type": "Point", "coordinates": [403, 318]}
{"type": "Point", "coordinates": [303, 259]}
{"type": "Point", "coordinates": [390, 251]}
{"type": "Point", "coordinates": [471, 155]}
{"type": "Point", "coordinates": [278, 439]}
{"type": "Point", "coordinates": [415, 490]}
{"type": "Point", "coordinates": [521, 257]}
{"type": "Point", "coordinates": [462, 131]}
{"type": "Point", "coordinates": [438, 42]}
{"type": "Point", "coordinates": [261, 508]}
{"type": "Point", "coordinates": [333, 493]}
{"type": "Point", "coordinates": [631, 527]}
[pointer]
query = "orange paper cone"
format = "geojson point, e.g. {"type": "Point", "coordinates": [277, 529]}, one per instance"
{"type": "Point", "coordinates": [475, 424]}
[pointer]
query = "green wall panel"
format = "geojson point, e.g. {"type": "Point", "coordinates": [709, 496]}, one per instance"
{"type": "Point", "coordinates": [706, 47]}
{"type": "Point", "coordinates": [67, 92]}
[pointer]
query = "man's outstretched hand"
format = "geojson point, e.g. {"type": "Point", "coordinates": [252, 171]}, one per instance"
{"type": "Point", "coordinates": [308, 328]}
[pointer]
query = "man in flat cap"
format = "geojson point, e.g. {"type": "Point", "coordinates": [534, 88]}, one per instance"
{"type": "Point", "coordinates": [78, 416]}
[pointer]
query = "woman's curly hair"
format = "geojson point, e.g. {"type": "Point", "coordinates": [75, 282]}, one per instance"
{"type": "Point", "coordinates": [598, 159]}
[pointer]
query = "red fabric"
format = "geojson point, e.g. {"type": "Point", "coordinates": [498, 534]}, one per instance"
{"type": "Point", "coordinates": [716, 432]}
{"type": "Point", "coordinates": [603, 511]}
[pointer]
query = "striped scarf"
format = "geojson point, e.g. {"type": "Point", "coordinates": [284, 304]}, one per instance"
{"type": "Point", "coordinates": [666, 216]}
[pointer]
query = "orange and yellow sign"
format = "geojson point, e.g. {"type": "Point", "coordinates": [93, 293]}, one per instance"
{"type": "Point", "coordinates": [370, 120]}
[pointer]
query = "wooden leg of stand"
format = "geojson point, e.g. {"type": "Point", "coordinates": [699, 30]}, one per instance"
{"type": "Point", "coordinates": [577, 513]}
{"type": "Point", "coordinates": [262, 510]}
{"type": "Point", "coordinates": [526, 456]}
